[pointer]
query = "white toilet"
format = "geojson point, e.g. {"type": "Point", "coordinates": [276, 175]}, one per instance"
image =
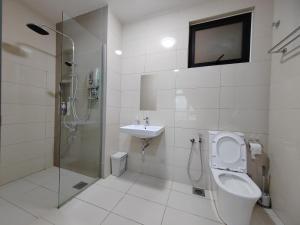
{"type": "Point", "coordinates": [234, 193]}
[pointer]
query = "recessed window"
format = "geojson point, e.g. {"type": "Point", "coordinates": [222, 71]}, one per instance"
{"type": "Point", "coordinates": [222, 41]}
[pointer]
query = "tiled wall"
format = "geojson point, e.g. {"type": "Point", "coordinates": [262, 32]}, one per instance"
{"type": "Point", "coordinates": [192, 101]}
{"type": "Point", "coordinates": [113, 89]}
{"type": "Point", "coordinates": [28, 85]}
{"type": "Point", "coordinates": [284, 118]}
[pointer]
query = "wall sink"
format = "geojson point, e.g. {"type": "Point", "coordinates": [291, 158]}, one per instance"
{"type": "Point", "coordinates": [142, 131]}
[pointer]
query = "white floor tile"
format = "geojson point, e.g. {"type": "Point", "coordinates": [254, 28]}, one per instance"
{"type": "Point", "coordinates": [118, 220]}
{"type": "Point", "coordinates": [155, 182]}
{"type": "Point", "coordinates": [12, 215]}
{"type": "Point", "coordinates": [184, 188]}
{"type": "Point", "coordinates": [101, 196]}
{"type": "Point", "coordinates": [192, 204]}
{"type": "Point", "coordinates": [40, 201]}
{"type": "Point", "coordinates": [155, 190]}
{"type": "Point", "coordinates": [41, 222]}
{"type": "Point", "coordinates": [16, 188]}
{"type": "Point", "coordinates": [122, 183]}
{"type": "Point", "coordinates": [187, 189]}
{"type": "Point", "coordinates": [77, 212]}
{"type": "Point", "coordinates": [47, 178]}
{"type": "Point", "coordinates": [140, 210]}
{"type": "Point", "coordinates": [176, 217]}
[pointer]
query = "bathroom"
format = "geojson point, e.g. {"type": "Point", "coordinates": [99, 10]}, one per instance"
{"type": "Point", "coordinates": [86, 85]}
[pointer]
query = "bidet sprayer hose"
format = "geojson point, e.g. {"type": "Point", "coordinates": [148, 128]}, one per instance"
{"type": "Point", "coordinates": [195, 182]}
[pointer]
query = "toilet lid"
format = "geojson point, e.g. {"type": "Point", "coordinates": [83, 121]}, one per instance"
{"type": "Point", "coordinates": [229, 152]}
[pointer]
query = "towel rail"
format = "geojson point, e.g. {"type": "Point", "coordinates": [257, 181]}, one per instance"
{"type": "Point", "coordinates": [283, 48]}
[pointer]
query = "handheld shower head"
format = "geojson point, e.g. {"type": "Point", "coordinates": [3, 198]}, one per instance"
{"type": "Point", "coordinates": [37, 29]}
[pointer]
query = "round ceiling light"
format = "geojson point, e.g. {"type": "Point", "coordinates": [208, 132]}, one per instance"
{"type": "Point", "coordinates": [118, 52]}
{"type": "Point", "coordinates": [168, 42]}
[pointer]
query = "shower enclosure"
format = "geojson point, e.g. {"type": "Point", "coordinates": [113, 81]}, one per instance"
{"type": "Point", "coordinates": [52, 101]}
{"type": "Point", "coordinates": [78, 128]}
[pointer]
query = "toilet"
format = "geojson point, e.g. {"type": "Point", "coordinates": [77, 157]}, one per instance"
{"type": "Point", "coordinates": [234, 193]}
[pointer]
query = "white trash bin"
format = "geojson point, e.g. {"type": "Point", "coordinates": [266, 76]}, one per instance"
{"type": "Point", "coordinates": [119, 163]}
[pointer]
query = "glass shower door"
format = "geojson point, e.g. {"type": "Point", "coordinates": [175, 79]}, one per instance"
{"type": "Point", "coordinates": [81, 107]}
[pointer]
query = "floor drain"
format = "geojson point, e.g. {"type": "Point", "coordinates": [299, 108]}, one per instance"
{"type": "Point", "coordinates": [80, 185]}
{"type": "Point", "coordinates": [199, 191]}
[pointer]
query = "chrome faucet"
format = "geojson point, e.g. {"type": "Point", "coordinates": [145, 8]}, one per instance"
{"type": "Point", "coordinates": [146, 121]}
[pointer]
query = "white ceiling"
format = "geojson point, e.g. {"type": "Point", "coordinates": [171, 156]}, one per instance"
{"type": "Point", "coordinates": [127, 10]}
{"type": "Point", "coordinates": [131, 10]}
{"type": "Point", "coordinates": [52, 9]}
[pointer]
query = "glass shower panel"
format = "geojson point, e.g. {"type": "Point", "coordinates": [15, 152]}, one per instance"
{"type": "Point", "coordinates": [81, 107]}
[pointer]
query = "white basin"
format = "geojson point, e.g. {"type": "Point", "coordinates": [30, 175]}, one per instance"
{"type": "Point", "coordinates": [142, 131]}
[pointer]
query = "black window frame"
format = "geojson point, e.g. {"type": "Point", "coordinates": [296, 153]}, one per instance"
{"type": "Point", "coordinates": [246, 20]}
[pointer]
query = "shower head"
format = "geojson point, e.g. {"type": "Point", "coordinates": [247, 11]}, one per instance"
{"type": "Point", "coordinates": [37, 29]}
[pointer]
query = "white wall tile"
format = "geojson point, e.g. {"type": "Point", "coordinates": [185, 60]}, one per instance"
{"type": "Point", "coordinates": [197, 98]}
{"type": "Point", "coordinates": [12, 134]}
{"type": "Point", "coordinates": [161, 117]}
{"type": "Point", "coordinates": [131, 82]}
{"type": "Point", "coordinates": [245, 97]}
{"type": "Point", "coordinates": [17, 113]}
{"type": "Point", "coordinates": [206, 119]}
{"type": "Point", "coordinates": [198, 77]}
{"type": "Point", "coordinates": [182, 59]}
{"type": "Point", "coordinates": [166, 99]}
{"type": "Point", "coordinates": [160, 61]}
{"type": "Point", "coordinates": [130, 115]}
{"type": "Point", "coordinates": [255, 121]}
{"type": "Point", "coordinates": [133, 65]}
{"type": "Point", "coordinates": [113, 115]}
{"type": "Point", "coordinates": [130, 99]}
{"type": "Point", "coordinates": [260, 47]}
{"type": "Point", "coordinates": [113, 98]}
{"type": "Point", "coordinates": [134, 47]}
{"type": "Point", "coordinates": [246, 74]}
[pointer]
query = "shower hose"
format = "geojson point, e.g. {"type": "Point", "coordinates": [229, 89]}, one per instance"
{"type": "Point", "coordinates": [195, 182]}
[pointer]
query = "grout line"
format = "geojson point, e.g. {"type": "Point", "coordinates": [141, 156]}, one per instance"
{"type": "Point", "coordinates": [113, 213]}
{"type": "Point", "coordinates": [166, 206]}
{"type": "Point", "coordinates": [19, 207]}
{"type": "Point", "coordinates": [136, 196]}
{"type": "Point", "coordinates": [193, 214]}
{"type": "Point", "coordinates": [45, 219]}
{"type": "Point", "coordinates": [124, 195]}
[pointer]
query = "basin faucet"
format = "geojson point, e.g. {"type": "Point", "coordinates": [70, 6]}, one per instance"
{"type": "Point", "coordinates": [146, 121]}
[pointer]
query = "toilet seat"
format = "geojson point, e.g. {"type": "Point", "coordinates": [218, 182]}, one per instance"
{"type": "Point", "coordinates": [238, 184]}
{"type": "Point", "coordinates": [229, 152]}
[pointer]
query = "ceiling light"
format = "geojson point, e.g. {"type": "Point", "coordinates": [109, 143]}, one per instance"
{"type": "Point", "coordinates": [118, 52]}
{"type": "Point", "coordinates": [168, 42]}
{"type": "Point", "coordinates": [176, 70]}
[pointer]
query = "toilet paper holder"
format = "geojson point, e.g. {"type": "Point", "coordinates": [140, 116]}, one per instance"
{"type": "Point", "coordinates": [255, 147]}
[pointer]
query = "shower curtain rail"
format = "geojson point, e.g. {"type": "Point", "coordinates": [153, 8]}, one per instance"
{"type": "Point", "coordinates": [281, 46]}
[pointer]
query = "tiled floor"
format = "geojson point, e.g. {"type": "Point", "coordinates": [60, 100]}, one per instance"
{"type": "Point", "coordinates": [132, 199]}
